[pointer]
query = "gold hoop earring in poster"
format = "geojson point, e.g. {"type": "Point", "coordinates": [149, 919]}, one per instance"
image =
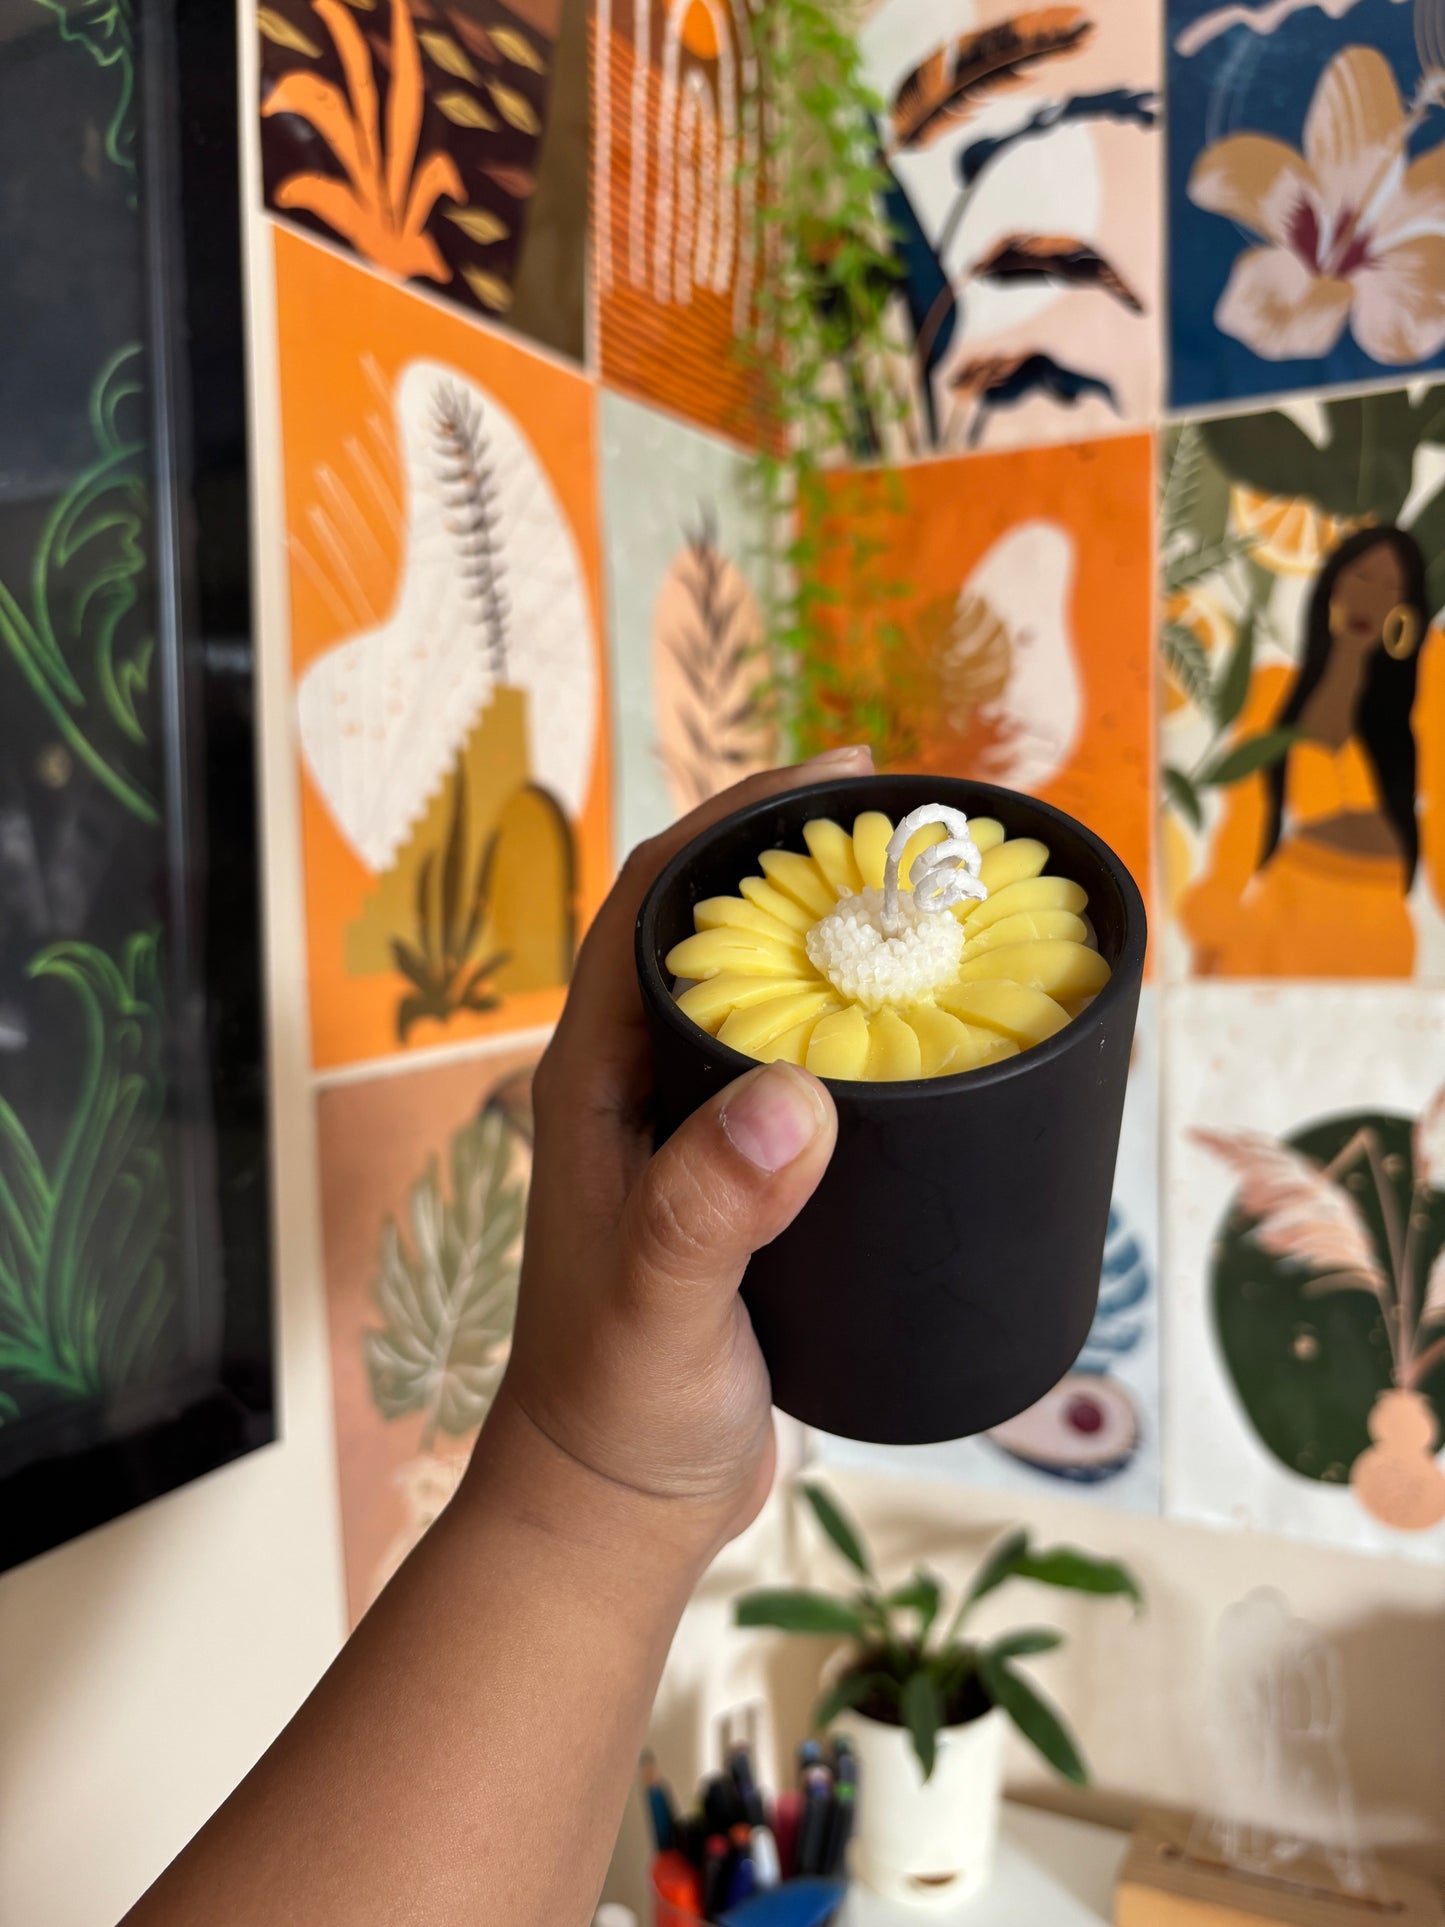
{"type": "Point", "coordinates": [1400, 632]}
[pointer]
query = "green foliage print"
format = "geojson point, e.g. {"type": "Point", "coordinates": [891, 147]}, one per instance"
{"type": "Point", "coordinates": [450, 1298]}
{"type": "Point", "coordinates": [85, 1292]}
{"type": "Point", "coordinates": [84, 644]}
{"type": "Point", "coordinates": [106, 29]}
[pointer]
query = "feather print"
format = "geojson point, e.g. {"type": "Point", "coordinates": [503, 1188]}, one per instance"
{"type": "Point", "coordinates": [975, 661]}
{"type": "Point", "coordinates": [1055, 257]}
{"type": "Point", "coordinates": [708, 670]}
{"type": "Point", "coordinates": [956, 79]}
{"type": "Point", "coordinates": [1303, 1214]}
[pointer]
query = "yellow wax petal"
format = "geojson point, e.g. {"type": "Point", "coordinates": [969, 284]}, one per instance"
{"type": "Point", "coordinates": [1033, 893]}
{"type": "Point", "coordinates": [949, 1046]}
{"type": "Point", "coordinates": [1011, 862]}
{"type": "Point", "coordinates": [893, 1050]}
{"type": "Point", "coordinates": [709, 1002]}
{"type": "Point", "coordinates": [1060, 968]}
{"type": "Point", "coordinates": [1016, 1011]}
{"type": "Point", "coordinates": [750, 1030]}
{"type": "Point", "coordinates": [736, 913]}
{"type": "Point", "coordinates": [792, 1046]}
{"type": "Point", "coordinates": [871, 833]}
{"type": "Point", "coordinates": [839, 1044]}
{"type": "Point", "coordinates": [1028, 927]}
{"type": "Point", "coordinates": [799, 878]}
{"type": "Point", "coordinates": [776, 904]}
{"type": "Point", "coordinates": [921, 840]}
{"type": "Point", "coordinates": [987, 833]}
{"type": "Point", "coordinates": [831, 849]}
{"type": "Point", "coordinates": [710, 952]}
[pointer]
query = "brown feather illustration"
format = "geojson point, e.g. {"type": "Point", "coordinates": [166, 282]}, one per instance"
{"type": "Point", "coordinates": [956, 79]}
{"type": "Point", "coordinates": [1055, 257]}
{"type": "Point", "coordinates": [708, 669]}
{"type": "Point", "coordinates": [1303, 1214]}
{"type": "Point", "coordinates": [974, 659]}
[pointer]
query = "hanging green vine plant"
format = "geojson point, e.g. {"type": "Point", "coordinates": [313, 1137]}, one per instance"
{"type": "Point", "coordinates": [819, 349]}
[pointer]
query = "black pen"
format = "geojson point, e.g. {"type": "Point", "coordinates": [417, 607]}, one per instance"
{"type": "Point", "coordinates": [741, 1767]}
{"type": "Point", "coordinates": [813, 1834]}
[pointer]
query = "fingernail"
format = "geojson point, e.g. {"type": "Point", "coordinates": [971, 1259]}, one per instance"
{"type": "Point", "coordinates": [854, 753]}
{"type": "Point", "coordinates": [773, 1116]}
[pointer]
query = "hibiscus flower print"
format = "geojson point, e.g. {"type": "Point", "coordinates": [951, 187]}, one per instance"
{"type": "Point", "coordinates": [1353, 229]}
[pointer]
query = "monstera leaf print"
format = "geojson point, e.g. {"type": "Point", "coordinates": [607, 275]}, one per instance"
{"type": "Point", "coordinates": [448, 1296]}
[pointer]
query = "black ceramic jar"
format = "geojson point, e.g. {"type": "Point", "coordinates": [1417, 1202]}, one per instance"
{"type": "Point", "coordinates": [945, 1273]}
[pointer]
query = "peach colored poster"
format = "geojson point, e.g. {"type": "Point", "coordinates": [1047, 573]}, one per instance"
{"type": "Point", "coordinates": [446, 642]}
{"type": "Point", "coordinates": [423, 1184]}
{"type": "Point", "coordinates": [1023, 145]}
{"type": "Point", "coordinates": [1022, 602]}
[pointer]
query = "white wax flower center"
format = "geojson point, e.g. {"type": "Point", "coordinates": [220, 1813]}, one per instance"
{"type": "Point", "coordinates": [867, 965]}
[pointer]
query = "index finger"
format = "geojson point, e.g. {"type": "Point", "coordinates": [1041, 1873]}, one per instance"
{"type": "Point", "coordinates": [602, 1032]}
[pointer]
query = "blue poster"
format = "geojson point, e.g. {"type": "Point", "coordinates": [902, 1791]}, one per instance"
{"type": "Point", "coordinates": [1306, 193]}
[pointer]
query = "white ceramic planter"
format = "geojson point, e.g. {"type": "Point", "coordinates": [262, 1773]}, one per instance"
{"type": "Point", "coordinates": [927, 1846]}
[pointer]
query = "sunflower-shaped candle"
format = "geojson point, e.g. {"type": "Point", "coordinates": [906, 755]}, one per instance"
{"type": "Point", "coordinates": [918, 950]}
{"type": "Point", "coordinates": [888, 933]}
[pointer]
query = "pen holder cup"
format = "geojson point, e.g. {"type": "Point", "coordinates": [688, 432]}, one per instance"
{"type": "Point", "coordinates": [945, 1273]}
{"type": "Point", "coordinates": [665, 1912]}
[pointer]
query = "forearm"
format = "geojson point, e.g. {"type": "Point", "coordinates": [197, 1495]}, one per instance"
{"type": "Point", "coordinates": [467, 1757]}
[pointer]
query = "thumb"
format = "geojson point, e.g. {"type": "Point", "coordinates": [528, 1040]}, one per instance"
{"type": "Point", "coordinates": [727, 1182]}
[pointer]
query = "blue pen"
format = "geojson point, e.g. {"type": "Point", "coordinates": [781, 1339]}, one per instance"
{"type": "Point", "coordinates": [659, 1805]}
{"type": "Point", "coordinates": [744, 1882]}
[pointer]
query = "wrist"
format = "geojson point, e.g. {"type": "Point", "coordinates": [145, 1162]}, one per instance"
{"type": "Point", "coordinates": [607, 1529]}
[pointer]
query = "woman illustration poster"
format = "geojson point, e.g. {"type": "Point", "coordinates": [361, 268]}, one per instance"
{"type": "Point", "coordinates": [1316, 856]}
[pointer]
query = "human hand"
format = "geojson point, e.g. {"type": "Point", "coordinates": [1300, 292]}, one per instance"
{"type": "Point", "coordinates": [633, 1354]}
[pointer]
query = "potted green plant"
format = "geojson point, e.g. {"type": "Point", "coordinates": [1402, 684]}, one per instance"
{"type": "Point", "coordinates": [925, 1710]}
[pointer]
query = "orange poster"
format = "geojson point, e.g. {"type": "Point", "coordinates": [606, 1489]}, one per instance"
{"type": "Point", "coordinates": [994, 620]}
{"type": "Point", "coordinates": [676, 151]}
{"type": "Point", "coordinates": [446, 644]}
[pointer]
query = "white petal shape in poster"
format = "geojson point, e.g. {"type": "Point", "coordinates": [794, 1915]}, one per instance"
{"type": "Point", "coordinates": [1015, 606]}
{"type": "Point", "coordinates": [492, 594]}
{"type": "Point", "coordinates": [1096, 1435]}
{"type": "Point", "coordinates": [1305, 1362]}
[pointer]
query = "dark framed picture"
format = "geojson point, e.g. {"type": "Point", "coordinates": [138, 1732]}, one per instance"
{"type": "Point", "coordinates": [135, 1282]}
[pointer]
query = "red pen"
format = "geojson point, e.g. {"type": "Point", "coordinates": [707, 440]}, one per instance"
{"type": "Point", "coordinates": [787, 1819]}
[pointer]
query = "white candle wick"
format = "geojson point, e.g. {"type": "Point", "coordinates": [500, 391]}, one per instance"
{"type": "Point", "coordinates": [944, 874]}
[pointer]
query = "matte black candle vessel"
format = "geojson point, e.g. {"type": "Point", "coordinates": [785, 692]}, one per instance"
{"type": "Point", "coordinates": [945, 1273]}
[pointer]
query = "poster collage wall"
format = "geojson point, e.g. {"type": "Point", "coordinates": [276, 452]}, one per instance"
{"type": "Point", "coordinates": [1172, 551]}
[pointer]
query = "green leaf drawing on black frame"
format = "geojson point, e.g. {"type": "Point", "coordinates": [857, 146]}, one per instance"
{"type": "Point", "coordinates": [106, 29]}
{"type": "Point", "coordinates": [85, 645]}
{"type": "Point", "coordinates": [85, 1295]}
{"type": "Point", "coordinates": [449, 1301]}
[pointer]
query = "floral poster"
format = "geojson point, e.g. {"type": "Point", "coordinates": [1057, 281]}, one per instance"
{"type": "Point", "coordinates": [1021, 149]}
{"type": "Point", "coordinates": [1010, 635]}
{"type": "Point", "coordinates": [677, 143]}
{"type": "Point", "coordinates": [684, 540]}
{"type": "Point", "coordinates": [1303, 690]}
{"type": "Point", "coordinates": [423, 1190]}
{"type": "Point", "coordinates": [1307, 193]}
{"type": "Point", "coordinates": [1096, 1435]}
{"type": "Point", "coordinates": [450, 700]}
{"type": "Point", "coordinates": [1305, 1343]}
{"type": "Point", "coordinates": [445, 144]}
